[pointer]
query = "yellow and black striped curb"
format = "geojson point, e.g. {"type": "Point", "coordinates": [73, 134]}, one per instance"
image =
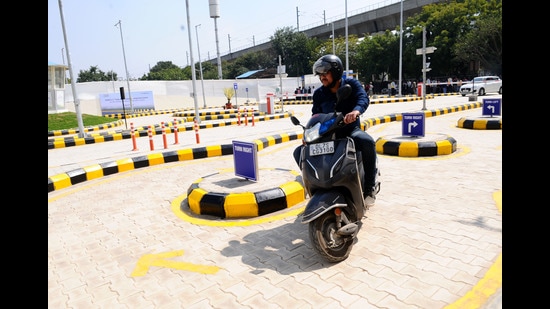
{"type": "Point", "coordinates": [241, 114]}
{"type": "Point", "coordinates": [95, 171]}
{"type": "Point", "coordinates": [244, 204]}
{"type": "Point", "coordinates": [185, 112]}
{"type": "Point", "coordinates": [142, 132]}
{"type": "Point", "coordinates": [367, 123]}
{"type": "Point", "coordinates": [397, 99]}
{"type": "Point", "coordinates": [189, 112]}
{"type": "Point", "coordinates": [88, 129]}
{"type": "Point", "coordinates": [406, 146]}
{"type": "Point", "coordinates": [480, 123]}
{"type": "Point", "coordinates": [76, 176]}
{"type": "Point", "coordinates": [148, 112]}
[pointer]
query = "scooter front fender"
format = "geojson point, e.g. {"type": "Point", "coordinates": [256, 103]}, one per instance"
{"type": "Point", "coordinates": [321, 202]}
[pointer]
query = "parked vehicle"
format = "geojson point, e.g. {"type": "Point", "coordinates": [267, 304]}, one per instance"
{"type": "Point", "coordinates": [481, 85]}
{"type": "Point", "coordinates": [333, 176]}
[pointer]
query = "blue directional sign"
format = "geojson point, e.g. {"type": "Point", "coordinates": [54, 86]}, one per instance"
{"type": "Point", "coordinates": [413, 124]}
{"type": "Point", "coordinates": [245, 160]}
{"type": "Point", "coordinates": [491, 107]}
{"type": "Point", "coordinates": [235, 86]}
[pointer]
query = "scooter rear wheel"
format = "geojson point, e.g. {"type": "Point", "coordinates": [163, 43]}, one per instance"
{"type": "Point", "coordinates": [332, 247]}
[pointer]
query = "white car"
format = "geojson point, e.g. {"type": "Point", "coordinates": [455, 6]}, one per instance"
{"type": "Point", "coordinates": [481, 85]}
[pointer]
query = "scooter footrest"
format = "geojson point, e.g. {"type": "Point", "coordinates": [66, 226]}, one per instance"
{"type": "Point", "coordinates": [348, 229]}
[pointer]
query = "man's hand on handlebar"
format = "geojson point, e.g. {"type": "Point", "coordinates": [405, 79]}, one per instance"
{"type": "Point", "coordinates": [351, 116]}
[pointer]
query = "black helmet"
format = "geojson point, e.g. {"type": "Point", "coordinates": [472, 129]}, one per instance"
{"type": "Point", "coordinates": [329, 63]}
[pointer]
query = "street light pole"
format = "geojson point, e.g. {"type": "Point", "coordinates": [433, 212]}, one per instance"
{"type": "Point", "coordinates": [126, 67]}
{"type": "Point", "coordinates": [81, 132]}
{"type": "Point", "coordinates": [400, 87]}
{"type": "Point", "coordinates": [333, 47]}
{"type": "Point", "coordinates": [347, 51]}
{"type": "Point", "coordinates": [424, 68]}
{"type": "Point", "coordinates": [200, 66]}
{"type": "Point", "coordinates": [193, 74]}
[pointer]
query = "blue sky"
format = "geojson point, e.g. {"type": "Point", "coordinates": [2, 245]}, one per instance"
{"type": "Point", "coordinates": [155, 31]}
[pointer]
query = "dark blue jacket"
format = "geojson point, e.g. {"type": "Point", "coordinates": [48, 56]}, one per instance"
{"type": "Point", "coordinates": [324, 100]}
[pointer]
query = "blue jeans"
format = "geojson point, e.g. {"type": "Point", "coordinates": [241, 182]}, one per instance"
{"type": "Point", "coordinates": [367, 145]}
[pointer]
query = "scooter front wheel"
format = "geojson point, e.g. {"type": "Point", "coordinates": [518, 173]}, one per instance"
{"type": "Point", "coordinates": [331, 246]}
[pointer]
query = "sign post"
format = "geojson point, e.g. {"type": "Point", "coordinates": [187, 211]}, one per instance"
{"type": "Point", "coordinates": [123, 108]}
{"type": "Point", "coordinates": [245, 160]}
{"type": "Point", "coordinates": [423, 51]}
{"type": "Point", "coordinates": [413, 124]}
{"type": "Point", "coordinates": [236, 87]}
{"type": "Point", "coordinates": [491, 107]}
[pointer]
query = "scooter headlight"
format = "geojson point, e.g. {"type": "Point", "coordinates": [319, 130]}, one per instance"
{"type": "Point", "coordinates": [317, 130]}
{"type": "Point", "coordinates": [312, 133]}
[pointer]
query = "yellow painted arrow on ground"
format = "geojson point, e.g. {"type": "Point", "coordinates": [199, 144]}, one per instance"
{"type": "Point", "coordinates": [159, 260]}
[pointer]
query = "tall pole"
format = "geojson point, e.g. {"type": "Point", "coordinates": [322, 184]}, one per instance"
{"type": "Point", "coordinates": [347, 52]}
{"type": "Point", "coordinates": [214, 8]}
{"type": "Point", "coordinates": [423, 68]}
{"type": "Point", "coordinates": [126, 67]}
{"type": "Point", "coordinates": [113, 81]}
{"type": "Point", "coordinates": [297, 20]}
{"type": "Point", "coordinates": [81, 132]}
{"type": "Point", "coordinates": [200, 65]}
{"type": "Point", "coordinates": [280, 69]}
{"type": "Point", "coordinates": [220, 76]}
{"type": "Point", "coordinates": [229, 39]}
{"type": "Point", "coordinates": [333, 46]}
{"type": "Point", "coordinates": [401, 50]}
{"type": "Point", "coordinates": [193, 74]}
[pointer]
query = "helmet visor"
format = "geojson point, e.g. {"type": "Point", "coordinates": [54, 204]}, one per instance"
{"type": "Point", "coordinates": [321, 67]}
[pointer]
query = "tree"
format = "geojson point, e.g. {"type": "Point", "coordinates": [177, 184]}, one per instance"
{"type": "Point", "coordinates": [483, 44]}
{"type": "Point", "coordinates": [248, 62]}
{"type": "Point", "coordinates": [447, 24]}
{"type": "Point", "coordinates": [295, 49]}
{"type": "Point", "coordinates": [209, 71]}
{"type": "Point", "coordinates": [94, 74]}
{"type": "Point", "coordinates": [376, 56]}
{"type": "Point", "coordinates": [234, 69]}
{"type": "Point", "coordinates": [165, 70]}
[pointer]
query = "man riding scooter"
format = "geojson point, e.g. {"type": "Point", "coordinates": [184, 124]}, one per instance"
{"type": "Point", "coordinates": [330, 71]}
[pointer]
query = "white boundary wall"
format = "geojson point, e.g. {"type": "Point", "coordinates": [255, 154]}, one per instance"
{"type": "Point", "coordinates": [178, 94]}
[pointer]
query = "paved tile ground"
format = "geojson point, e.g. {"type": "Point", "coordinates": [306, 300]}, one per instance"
{"type": "Point", "coordinates": [433, 239]}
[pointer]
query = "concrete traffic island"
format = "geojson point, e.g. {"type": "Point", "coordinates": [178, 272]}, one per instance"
{"type": "Point", "coordinates": [416, 146]}
{"type": "Point", "coordinates": [225, 195]}
{"type": "Point", "coordinates": [480, 123]}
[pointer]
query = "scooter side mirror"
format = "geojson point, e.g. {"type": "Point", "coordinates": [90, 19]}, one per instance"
{"type": "Point", "coordinates": [343, 92]}
{"type": "Point", "coordinates": [295, 120]}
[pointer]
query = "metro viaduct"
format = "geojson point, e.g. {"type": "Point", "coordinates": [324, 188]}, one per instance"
{"type": "Point", "coordinates": [369, 22]}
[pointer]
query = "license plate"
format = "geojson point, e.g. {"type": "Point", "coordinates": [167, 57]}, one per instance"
{"type": "Point", "coordinates": [321, 148]}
